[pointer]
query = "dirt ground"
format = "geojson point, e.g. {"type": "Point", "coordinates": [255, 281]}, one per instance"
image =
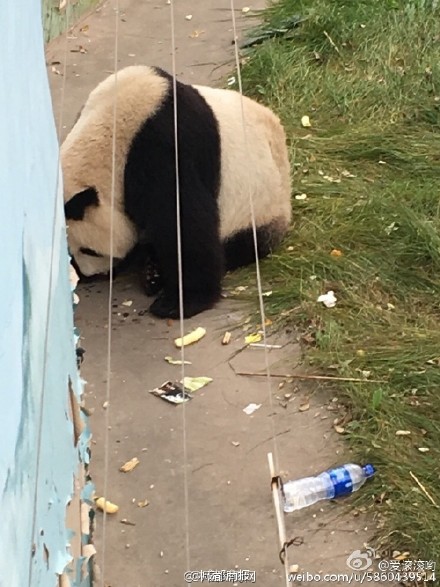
{"type": "Point", "coordinates": [231, 521]}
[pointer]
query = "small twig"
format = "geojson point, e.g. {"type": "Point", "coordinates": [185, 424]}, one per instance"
{"type": "Point", "coordinates": [332, 43]}
{"type": "Point", "coordinates": [316, 377]}
{"type": "Point", "coordinates": [431, 499]}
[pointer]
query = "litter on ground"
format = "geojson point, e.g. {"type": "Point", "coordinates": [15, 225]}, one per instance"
{"type": "Point", "coordinates": [171, 392]}
{"type": "Point", "coordinates": [176, 393]}
{"type": "Point", "coordinates": [226, 338]}
{"type": "Point", "coordinates": [251, 408]}
{"type": "Point", "coordinates": [195, 383]}
{"type": "Point", "coordinates": [129, 465]}
{"type": "Point", "coordinates": [328, 299]}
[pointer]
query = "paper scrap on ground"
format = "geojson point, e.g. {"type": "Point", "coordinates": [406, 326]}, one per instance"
{"type": "Point", "coordinates": [329, 300]}
{"type": "Point", "coordinates": [171, 392]}
{"type": "Point", "coordinates": [190, 338]}
{"type": "Point", "coordinates": [195, 383]}
{"type": "Point", "coordinates": [251, 408]}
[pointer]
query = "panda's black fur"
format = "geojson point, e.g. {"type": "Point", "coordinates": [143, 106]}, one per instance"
{"type": "Point", "coordinates": [199, 180]}
{"type": "Point", "coordinates": [148, 200]}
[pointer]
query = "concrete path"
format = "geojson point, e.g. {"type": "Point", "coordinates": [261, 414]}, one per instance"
{"type": "Point", "coordinates": [231, 516]}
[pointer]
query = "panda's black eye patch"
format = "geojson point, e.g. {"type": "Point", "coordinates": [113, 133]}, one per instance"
{"type": "Point", "coordinates": [90, 252]}
{"type": "Point", "coordinates": [76, 207]}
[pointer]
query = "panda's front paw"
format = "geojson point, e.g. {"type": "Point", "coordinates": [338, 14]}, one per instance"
{"type": "Point", "coordinates": [168, 307]}
{"type": "Point", "coordinates": [165, 307]}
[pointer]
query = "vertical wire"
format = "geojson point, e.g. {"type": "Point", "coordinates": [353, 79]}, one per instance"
{"type": "Point", "coordinates": [255, 239]}
{"type": "Point", "coordinates": [257, 267]}
{"type": "Point", "coordinates": [39, 439]}
{"type": "Point", "coordinates": [181, 292]}
{"type": "Point", "coordinates": [110, 298]}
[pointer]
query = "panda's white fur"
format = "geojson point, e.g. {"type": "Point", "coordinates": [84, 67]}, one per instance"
{"type": "Point", "coordinates": [87, 160]}
{"type": "Point", "coordinates": [253, 163]}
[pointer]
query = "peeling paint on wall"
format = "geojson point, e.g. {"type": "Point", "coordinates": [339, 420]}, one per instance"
{"type": "Point", "coordinates": [57, 14]}
{"type": "Point", "coordinates": [45, 493]}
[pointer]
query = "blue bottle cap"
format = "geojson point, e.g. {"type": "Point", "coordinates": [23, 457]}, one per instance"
{"type": "Point", "coordinates": [369, 470]}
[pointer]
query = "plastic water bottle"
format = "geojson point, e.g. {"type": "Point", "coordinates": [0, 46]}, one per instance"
{"type": "Point", "coordinates": [333, 483]}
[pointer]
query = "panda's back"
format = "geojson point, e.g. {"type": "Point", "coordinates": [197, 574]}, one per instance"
{"type": "Point", "coordinates": [254, 162]}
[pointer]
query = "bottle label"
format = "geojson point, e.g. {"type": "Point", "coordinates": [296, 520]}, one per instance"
{"type": "Point", "coordinates": [341, 480]}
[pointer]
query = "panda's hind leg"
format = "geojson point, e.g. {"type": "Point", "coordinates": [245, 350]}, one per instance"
{"type": "Point", "coordinates": [239, 250]}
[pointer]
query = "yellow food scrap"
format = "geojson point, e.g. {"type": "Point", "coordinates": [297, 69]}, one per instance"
{"type": "Point", "coordinates": [253, 338]}
{"type": "Point", "coordinates": [305, 121]}
{"type": "Point", "coordinates": [336, 253]}
{"type": "Point", "coordinates": [106, 506]}
{"type": "Point", "coordinates": [190, 338]}
{"type": "Point", "coordinates": [172, 361]}
{"type": "Point", "coordinates": [129, 465]}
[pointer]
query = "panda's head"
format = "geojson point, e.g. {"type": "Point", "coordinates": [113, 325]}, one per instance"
{"type": "Point", "coordinates": [89, 229]}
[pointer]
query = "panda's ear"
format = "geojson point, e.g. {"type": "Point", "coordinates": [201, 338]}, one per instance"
{"type": "Point", "coordinates": [75, 208]}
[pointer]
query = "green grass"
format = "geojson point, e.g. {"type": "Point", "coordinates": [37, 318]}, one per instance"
{"type": "Point", "coordinates": [367, 73]}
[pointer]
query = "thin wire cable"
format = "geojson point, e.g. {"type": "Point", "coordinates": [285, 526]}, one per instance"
{"type": "Point", "coordinates": [255, 238]}
{"type": "Point", "coordinates": [257, 267]}
{"type": "Point", "coordinates": [110, 299]}
{"type": "Point", "coordinates": [48, 307]}
{"type": "Point", "coordinates": [180, 277]}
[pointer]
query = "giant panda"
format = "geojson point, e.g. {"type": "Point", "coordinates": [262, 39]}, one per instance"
{"type": "Point", "coordinates": [220, 167]}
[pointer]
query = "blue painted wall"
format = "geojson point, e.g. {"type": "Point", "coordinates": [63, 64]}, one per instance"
{"type": "Point", "coordinates": [38, 456]}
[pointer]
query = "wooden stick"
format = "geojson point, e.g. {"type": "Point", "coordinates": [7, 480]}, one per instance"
{"type": "Point", "coordinates": [423, 489]}
{"type": "Point", "coordinates": [279, 513]}
{"type": "Point", "coordinates": [315, 377]}
{"type": "Point", "coordinates": [277, 502]}
{"type": "Point", "coordinates": [332, 43]}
